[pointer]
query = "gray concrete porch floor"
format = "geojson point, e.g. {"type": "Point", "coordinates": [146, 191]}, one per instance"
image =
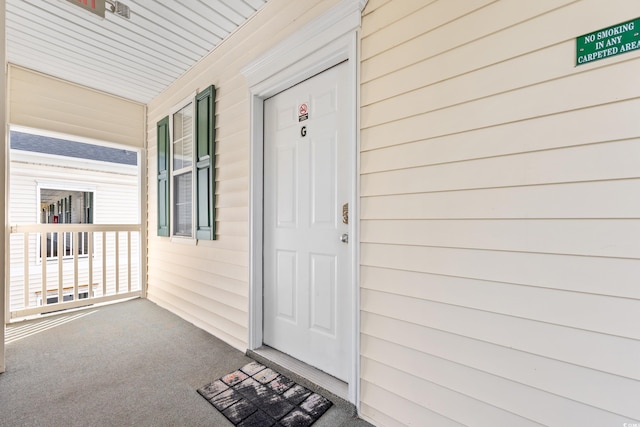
{"type": "Point", "coordinates": [126, 364]}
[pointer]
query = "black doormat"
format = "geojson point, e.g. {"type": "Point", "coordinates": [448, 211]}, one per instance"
{"type": "Point", "coordinates": [257, 396]}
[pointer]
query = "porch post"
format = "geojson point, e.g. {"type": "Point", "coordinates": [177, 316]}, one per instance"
{"type": "Point", "coordinates": [3, 177]}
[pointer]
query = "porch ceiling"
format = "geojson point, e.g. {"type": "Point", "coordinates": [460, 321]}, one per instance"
{"type": "Point", "coordinates": [135, 58]}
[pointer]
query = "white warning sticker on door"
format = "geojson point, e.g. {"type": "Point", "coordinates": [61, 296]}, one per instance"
{"type": "Point", "coordinates": [303, 112]}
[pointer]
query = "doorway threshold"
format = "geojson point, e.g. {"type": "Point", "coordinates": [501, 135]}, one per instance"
{"type": "Point", "coordinates": [303, 373]}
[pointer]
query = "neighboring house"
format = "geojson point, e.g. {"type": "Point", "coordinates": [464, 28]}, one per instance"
{"type": "Point", "coordinates": [472, 257]}
{"type": "Point", "coordinates": [57, 181]}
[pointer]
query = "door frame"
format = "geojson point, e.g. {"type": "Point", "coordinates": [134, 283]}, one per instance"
{"type": "Point", "coordinates": [324, 42]}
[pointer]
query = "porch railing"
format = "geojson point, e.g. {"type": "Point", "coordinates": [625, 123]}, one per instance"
{"type": "Point", "coordinates": [60, 266]}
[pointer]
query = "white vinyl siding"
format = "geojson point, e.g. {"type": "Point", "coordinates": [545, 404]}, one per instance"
{"type": "Point", "coordinates": [207, 283]}
{"type": "Point", "coordinates": [115, 190]}
{"type": "Point", "coordinates": [500, 236]}
{"type": "Point", "coordinates": [43, 102]}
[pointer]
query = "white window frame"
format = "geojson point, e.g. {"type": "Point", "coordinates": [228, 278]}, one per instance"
{"type": "Point", "coordinates": [82, 294]}
{"type": "Point", "coordinates": [191, 99]}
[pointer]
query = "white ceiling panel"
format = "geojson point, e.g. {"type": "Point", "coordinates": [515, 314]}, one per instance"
{"type": "Point", "coordinates": [134, 58]}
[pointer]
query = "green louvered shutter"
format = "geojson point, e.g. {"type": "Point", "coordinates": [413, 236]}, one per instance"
{"type": "Point", "coordinates": [205, 164]}
{"type": "Point", "coordinates": [163, 177]}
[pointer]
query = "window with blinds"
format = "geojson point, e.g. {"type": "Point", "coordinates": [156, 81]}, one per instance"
{"type": "Point", "coordinates": [182, 171]}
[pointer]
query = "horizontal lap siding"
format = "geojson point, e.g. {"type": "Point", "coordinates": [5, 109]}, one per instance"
{"type": "Point", "coordinates": [499, 231]}
{"type": "Point", "coordinates": [115, 202]}
{"type": "Point", "coordinates": [42, 102]}
{"type": "Point", "coordinates": [208, 283]}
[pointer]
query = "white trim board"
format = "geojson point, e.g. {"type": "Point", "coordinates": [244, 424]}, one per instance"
{"type": "Point", "coordinates": [326, 41]}
{"type": "Point", "coordinates": [55, 160]}
{"type": "Point", "coordinates": [4, 210]}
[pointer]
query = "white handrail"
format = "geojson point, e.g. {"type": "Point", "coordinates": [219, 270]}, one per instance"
{"type": "Point", "coordinates": [55, 228]}
{"type": "Point", "coordinates": [69, 277]}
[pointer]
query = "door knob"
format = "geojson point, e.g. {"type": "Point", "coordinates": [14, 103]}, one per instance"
{"type": "Point", "coordinates": [344, 238]}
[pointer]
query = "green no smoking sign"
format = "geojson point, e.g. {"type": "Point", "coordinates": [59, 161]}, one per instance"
{"type": "Point", "coordinates": [611, 41]}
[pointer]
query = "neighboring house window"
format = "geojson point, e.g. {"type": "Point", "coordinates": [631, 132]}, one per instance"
{"type": "Point", "coordinates": [52, 295]}
{"type": "Point", "coordinates": [58, 206]}
{"type": "Point", "coordinates": [186, 181]}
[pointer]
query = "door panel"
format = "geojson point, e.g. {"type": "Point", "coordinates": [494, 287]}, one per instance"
{"type": "Point", "coordinates": [286, 196]}
{"type": "Point", "coordinates": [323, 300]}
{"type": "Point", "coordinates": [323, 185]}
{"type": "Point", "coordinates": [307, 180]}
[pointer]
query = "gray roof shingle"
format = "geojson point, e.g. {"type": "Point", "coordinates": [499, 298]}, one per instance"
{"type": "Point", "coordinates": [62, 147]}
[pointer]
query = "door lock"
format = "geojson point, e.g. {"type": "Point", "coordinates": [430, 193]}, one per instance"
{"type": "Point", "coordinates": [344, 238]}
{"type": "Point", "coordinates": [345, 213]}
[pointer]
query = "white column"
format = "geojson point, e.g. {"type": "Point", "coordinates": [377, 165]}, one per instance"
{"type": "Point", "coordinates": [3, 177]}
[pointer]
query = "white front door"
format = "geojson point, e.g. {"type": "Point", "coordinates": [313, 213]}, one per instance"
{"type": "Point", "coordinates": [307, 185]}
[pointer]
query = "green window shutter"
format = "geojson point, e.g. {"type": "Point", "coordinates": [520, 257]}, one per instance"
{"type": "Point", "coordinates": [90, 216]}
{"type": "Point", "coordinates": [163, 176]}
{"type": "Point", "coordinates": [205, 164]}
